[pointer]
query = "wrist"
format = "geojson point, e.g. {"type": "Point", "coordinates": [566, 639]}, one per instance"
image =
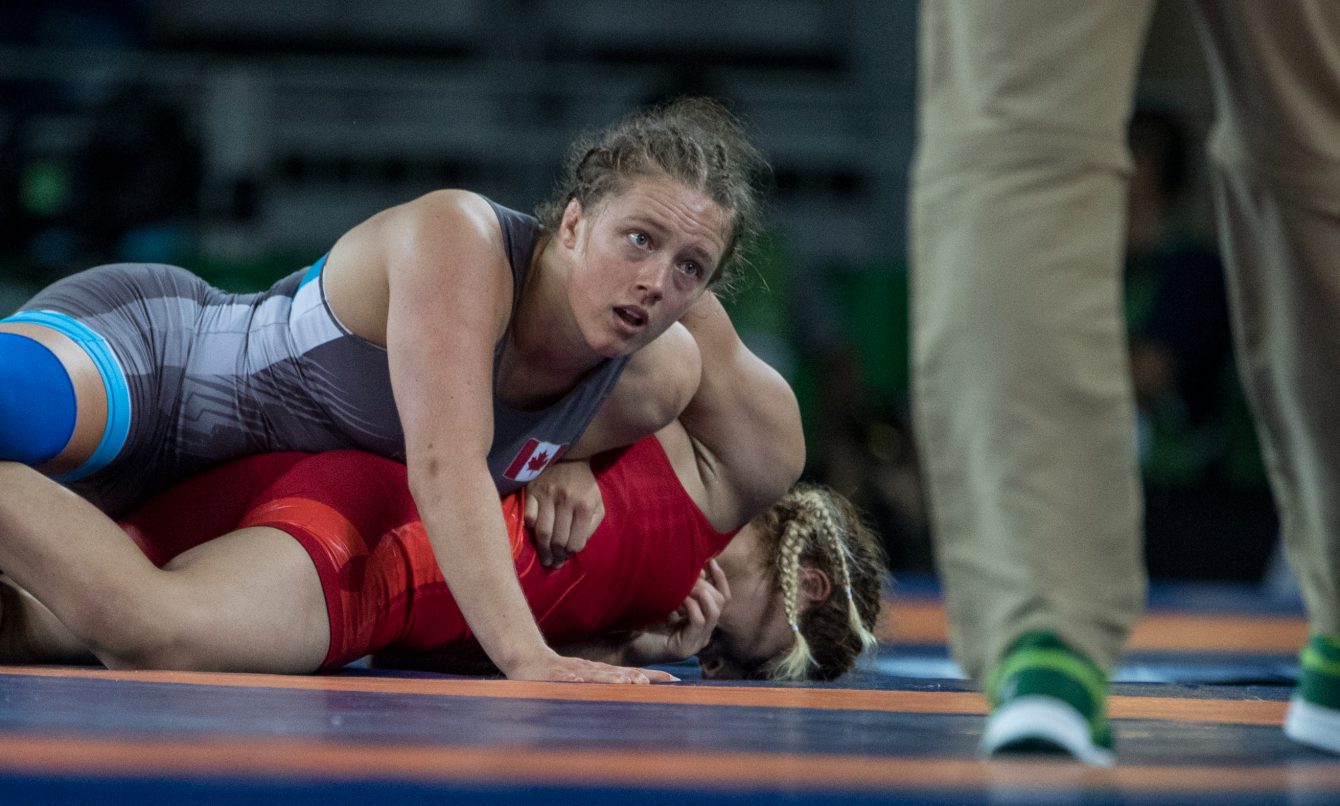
{"type": "Point", "coordinates": [515, 659]}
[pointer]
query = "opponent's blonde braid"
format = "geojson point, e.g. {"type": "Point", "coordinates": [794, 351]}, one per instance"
{"type": "Point", "coordinates": [831, 533]}
{"type": "Point", "coordinates": [798, 660]}
{"type": "Point", "coordinates": [815, 526]}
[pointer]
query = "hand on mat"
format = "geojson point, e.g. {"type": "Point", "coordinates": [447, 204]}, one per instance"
{"type": "Point", "coordinates": [690, 627]}
{"type": "Point", "coordinates": [557, 668]}
{"type": "Point", "coordinates": [563, 509]}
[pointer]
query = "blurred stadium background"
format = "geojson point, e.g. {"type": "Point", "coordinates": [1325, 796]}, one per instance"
{"type": "Point", "coordinates": [239, 139]}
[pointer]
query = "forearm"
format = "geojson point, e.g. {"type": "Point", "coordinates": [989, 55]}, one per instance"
{"type": "Point", "coordinates": [469, 538]}
{"type": "Point", "coordinates": [60, 548]}
{"type": "Point", "coordinates": [625, 649]}
{"type": "Point", "coordinates": [611, 648]}
{"type": "Point", "coordinates": [654, 388]}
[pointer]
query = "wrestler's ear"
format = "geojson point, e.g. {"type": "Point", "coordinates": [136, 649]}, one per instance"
{"type": "Point", "coordinates": [567, 225]}
{"type": "Point", "coordinates": [815, 585]}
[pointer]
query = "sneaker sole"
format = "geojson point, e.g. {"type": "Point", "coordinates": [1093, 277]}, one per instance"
{"type": "Point", "coordinates": [1313, 725]}
{"type": "Point", "coordinates": [1039, 718]}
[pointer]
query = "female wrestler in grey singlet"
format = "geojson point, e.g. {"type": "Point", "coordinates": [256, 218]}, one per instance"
{"type": "Point", "coordinates": [436, 331]}
{"type": "Point", "coordinates": [210, 376]}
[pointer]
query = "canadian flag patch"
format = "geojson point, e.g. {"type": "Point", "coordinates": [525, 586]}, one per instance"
{"type": "Point", "coordinates": [532, 459]}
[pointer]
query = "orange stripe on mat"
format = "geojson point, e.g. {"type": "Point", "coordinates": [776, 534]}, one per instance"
{"type": "Point", "coordinates": [665, 767]}
{"type": "Point", "coordinates": [1226, 712]}
{"type": "Point", "coordinates": [924, 622]}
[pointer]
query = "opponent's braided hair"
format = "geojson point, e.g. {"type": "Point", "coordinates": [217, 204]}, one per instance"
{"type": "Point", "coordinates": [813, 526]}
{"type": "Point", "coordinates": [695, 141]}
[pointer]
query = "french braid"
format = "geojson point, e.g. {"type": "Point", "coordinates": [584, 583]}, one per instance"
{"type": "Point", "coordinates": [813, 526]}
{"type": "Point", "coordinates": [825, 508]}
{"type": "Point", "coordinates": [797, 662]}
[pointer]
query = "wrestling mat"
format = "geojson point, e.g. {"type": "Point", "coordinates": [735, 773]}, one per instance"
{"type": "Point", "coordinates": [1197, 708]}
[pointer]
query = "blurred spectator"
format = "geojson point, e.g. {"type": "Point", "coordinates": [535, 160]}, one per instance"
{"type": "Point", "coordinates": [1208, 512]}
{"type": "Point", "coordinates": [1181, 351]}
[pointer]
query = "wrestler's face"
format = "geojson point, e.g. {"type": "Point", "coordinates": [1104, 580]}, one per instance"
{"type": "Point", "coordinates": [740, 652]}
{"type": "Point", "coordinates": [752, 634]}
{"type": "Point", "coordinates": [640, 258]}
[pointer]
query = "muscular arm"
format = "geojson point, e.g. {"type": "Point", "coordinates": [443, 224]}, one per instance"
{"type": "Point", "coordinates": [654, 388]}
{"type": "Point", "coordinates": [445, 265]}
{"type": "Point", "coordinates": [743, 421]}
{"type": "Point", "coordinates": [737, 415]}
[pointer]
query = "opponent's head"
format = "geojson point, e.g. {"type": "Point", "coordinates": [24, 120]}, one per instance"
{"type": "Point", "coordinates": [818, 598]}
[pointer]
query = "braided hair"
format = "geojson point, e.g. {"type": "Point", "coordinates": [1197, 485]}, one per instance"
{"type": "Point", "coordinates": [813, 526]}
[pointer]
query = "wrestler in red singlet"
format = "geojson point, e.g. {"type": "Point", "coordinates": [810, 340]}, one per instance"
{"type": "Point", "coordinates": [353, 514]}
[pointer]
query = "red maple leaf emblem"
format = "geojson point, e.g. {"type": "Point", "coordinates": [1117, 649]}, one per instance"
{"type": "Point", "coordinates": [538, 461]}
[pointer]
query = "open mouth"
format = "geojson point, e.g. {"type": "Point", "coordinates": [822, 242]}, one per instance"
{"type": "Point", "coordinates": [633, 317]}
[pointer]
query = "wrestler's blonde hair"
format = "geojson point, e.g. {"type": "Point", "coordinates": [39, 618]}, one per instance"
{"type": "Point", "coordinates": [813, 526]}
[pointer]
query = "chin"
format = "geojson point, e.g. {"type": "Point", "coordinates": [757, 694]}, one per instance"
{"type": "Point", "coordinates": [601, 343]}
{"type": "Point", "coordinates": [611, 348]}
{"type": "Point", "coordinates": [619, 345]}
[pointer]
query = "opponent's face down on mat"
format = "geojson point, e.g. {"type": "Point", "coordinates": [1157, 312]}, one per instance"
{"type": "Point", "coordinates": [753, 632]}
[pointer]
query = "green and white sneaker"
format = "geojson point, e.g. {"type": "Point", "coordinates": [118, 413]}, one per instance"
{"type": "Point", "coordinates": [1048, 698]}
{"type": "Point", "coordinates": [1313, 718]}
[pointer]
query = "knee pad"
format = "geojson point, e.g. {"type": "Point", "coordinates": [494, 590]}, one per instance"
{"type": "Point", "coordinates": [37, 402]}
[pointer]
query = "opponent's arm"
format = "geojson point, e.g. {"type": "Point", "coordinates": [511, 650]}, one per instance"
{"type": "Point", "coordinates": [681, 636]}
{"type": "Point", "coordinates": [563, 509]}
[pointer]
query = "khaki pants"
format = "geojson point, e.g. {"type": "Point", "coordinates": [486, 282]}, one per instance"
{"type": "Point", "coordinates": [1022, 399]}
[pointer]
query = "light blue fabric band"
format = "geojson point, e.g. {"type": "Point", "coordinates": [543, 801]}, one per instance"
{"type": "Point", "coordinates": [313, 272]}
{"type": "Point", "coordinates": [113, 382]}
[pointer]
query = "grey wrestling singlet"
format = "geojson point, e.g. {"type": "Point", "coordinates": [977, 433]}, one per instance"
{"type": "Point", "coordinates": [214, 375]}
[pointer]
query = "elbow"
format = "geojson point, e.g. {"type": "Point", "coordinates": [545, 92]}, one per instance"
{"type": "Point", "coordinates": [776, 470]}
{"type": "Point", "coordinates": [793, 462]}
{"type": "Point", "coordinates": [786, 464]}
{"type": "Point", "coordinates": [422, 476]}
{"type": "Point", "coordinates": [427, 473]}
{"type": "Point", "coordinates": [790, 442]}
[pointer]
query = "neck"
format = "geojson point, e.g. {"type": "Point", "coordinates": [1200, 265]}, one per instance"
{"type": "Point", "coordinates": [544, 342]}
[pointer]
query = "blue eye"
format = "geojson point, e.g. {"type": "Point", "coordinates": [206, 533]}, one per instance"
{"type": "Point", "coordinates": [639, 239]}
{"type": "Point", "coordinates": [693, 269]}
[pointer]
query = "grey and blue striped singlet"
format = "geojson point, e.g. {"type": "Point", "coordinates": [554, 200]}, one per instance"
{"type": "Point", "coordinates": [196, 376]}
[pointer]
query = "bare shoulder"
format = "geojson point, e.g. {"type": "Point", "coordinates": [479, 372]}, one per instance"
{"type": "Point", "coordinates": [446, 238]}
{"type": "Point", "coordinates": [465, 206]}
{"type": "Point", "coordinates": [448, 217]}
{"type": "Point", "coordinates": [410, 233]}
